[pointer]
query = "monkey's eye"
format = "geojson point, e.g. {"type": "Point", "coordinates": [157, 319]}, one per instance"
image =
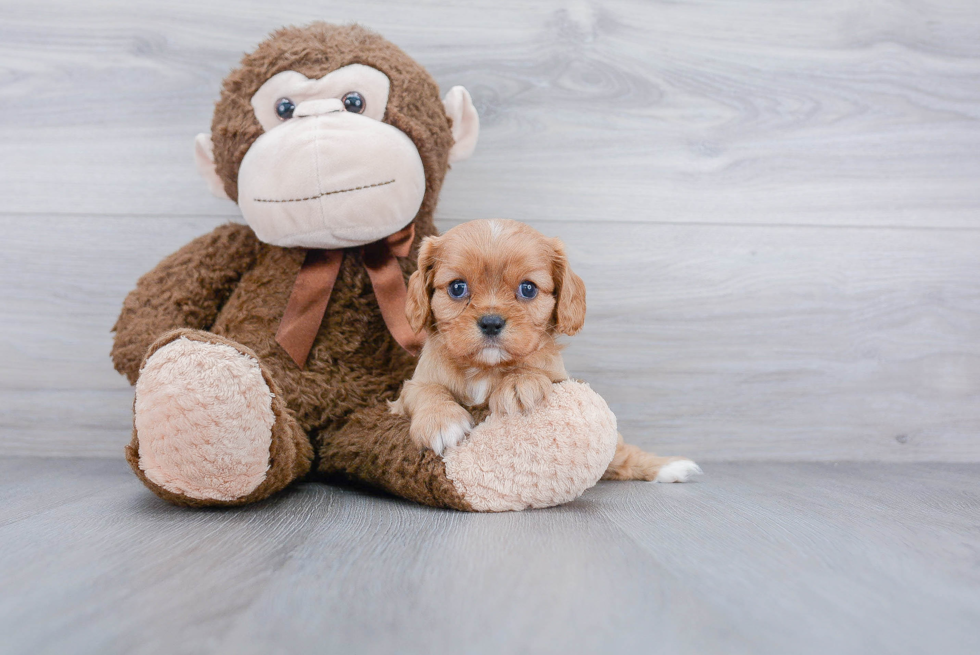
{"type": "Point", "coordinates": [527, 290]}
{"type": "Point", "coordinates": [354, 102]}
{"type": "Point", "coordinates": [284, 108]}
{"type": "Point", "coordinates": [457, 289]}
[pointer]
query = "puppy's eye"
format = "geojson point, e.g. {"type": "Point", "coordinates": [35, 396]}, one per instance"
{"type": "Point", "coordinates": [458, 289]}
{"type": "Point", "coordinates": [285, 108]}
{"type": "Point", "coordinates": [354, 102]}
{"type": "Point", "coordinates": [527, 290]}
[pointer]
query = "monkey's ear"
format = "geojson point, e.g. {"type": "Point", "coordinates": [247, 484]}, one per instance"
{"type": "Point", "coordinates": [466, 123]}
{"type": "Point", "coordinates": [204, 158]}
{"type": "Point", "coordinates": [417, 304]}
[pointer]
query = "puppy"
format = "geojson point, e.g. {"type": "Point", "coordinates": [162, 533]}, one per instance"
{"type": "Point", "coordinates": [493, 296]}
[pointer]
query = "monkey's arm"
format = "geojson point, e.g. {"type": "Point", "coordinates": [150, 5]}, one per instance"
{"type": "Point", "coordinates": [185, 290]}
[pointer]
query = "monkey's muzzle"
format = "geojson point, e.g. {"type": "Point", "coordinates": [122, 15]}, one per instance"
{"type": "Point", "coordinates": [330, 179]}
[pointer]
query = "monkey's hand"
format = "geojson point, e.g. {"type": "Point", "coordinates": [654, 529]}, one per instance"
{"type": "Point", "coordinates": [520, 393]}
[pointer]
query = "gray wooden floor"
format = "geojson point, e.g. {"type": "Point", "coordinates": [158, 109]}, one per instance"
{"type": "Point", "coordinates": [757, 558]}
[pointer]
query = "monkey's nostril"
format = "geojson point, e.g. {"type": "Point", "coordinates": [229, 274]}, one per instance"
{"type": "Point", "coordinates": [491, 324]}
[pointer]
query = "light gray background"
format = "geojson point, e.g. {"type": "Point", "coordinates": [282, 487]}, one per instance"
{"type": "Point", "coordinates": [775, 205]}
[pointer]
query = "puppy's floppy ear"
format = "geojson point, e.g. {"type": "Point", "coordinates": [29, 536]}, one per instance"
{"type": "Point", "coordinates": [420, 288]}
{"type": "Point", "coordinates": [569, 294]}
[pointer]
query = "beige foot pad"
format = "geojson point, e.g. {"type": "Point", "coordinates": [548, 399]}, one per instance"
{"type": "Point", "coordinates": [546, 458]}
{"type": "Point", "coordinates": [204, 418]}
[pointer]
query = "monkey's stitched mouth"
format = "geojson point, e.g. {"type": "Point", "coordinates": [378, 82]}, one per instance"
{"type": "Point", "coordinates": [327, 193]}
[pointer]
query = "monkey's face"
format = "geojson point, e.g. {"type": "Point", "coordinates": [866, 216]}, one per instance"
{"type": "Point", "coordinates": [327, 172]}
{"type": "Point", "coordinates": [331, 137]}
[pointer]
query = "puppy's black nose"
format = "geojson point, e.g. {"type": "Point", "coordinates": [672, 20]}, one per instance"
{"type": "Point", "coordinates": [491, 324]}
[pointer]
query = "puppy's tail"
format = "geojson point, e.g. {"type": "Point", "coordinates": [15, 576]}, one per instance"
{"type": "Point", "coordinates": [631, 463]}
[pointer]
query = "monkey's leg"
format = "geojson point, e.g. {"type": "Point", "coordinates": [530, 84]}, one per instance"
{"type": "Point", "coordinates": [508, 462]}
{"type": "Point", "coordinates": [210, 426]}
{"type": "Point", "coordinates": [374, 447]}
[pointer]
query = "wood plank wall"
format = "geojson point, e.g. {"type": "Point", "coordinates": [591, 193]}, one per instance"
{"type": "Point", "coordinates": [775, 206]}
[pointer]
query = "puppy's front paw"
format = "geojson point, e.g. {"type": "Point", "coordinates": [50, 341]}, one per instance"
{"type": "Point", "coordinates": [442, 428]}
{"type": "Point", "coordinates": [519, 394]}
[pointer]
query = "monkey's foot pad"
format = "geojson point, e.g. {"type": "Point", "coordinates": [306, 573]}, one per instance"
{"type": "Point", "coordinates": [548, 457]}
{"type": "Point", "coordinates": [204, 420]}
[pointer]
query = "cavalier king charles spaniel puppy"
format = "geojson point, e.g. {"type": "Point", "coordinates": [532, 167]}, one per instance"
{"type": "Point", "coordinates": [493, 296]}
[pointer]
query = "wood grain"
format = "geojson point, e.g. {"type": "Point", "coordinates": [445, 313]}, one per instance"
{"type": "Point", "coordinates": [719, 342]}
{"type": "Point", "coordinates": [758, 112]}
{"type": "Point", "coordinates": [33, 486]}
{"type": "Point", "coordinates": [119, 571]}
{"type": "Point", "coordinates": [810, 558]}
{"type": "Point", "coordinates": [774, 205]}
{"type": "Point", "coordinates": [467, 583]}
{"type": "Point", "coordinates": [755, 558]}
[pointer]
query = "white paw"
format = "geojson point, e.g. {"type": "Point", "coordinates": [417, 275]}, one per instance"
{"type": "Point", "coordinates": [450, 434]}
{"type": "Point", "coordinates": [681, 470]}
{"type": "Point", "coordinates": [441, 429]}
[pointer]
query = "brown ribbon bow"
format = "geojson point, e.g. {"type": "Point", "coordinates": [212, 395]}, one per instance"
{"type": "Point", "coordinates": [311, 293]}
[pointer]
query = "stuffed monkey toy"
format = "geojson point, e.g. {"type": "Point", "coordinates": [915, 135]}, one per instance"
{"type": "Point", "coordinates": [265, 353]}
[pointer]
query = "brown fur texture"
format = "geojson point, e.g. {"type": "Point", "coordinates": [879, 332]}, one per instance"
{"type": "Point", "coordinates": [230, 286]}
{"type": "Point", "coordinates": [373, 448]}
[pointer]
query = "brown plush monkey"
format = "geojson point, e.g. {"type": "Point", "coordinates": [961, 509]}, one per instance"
{"type": "Point", "coordinates": [265, 352]}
